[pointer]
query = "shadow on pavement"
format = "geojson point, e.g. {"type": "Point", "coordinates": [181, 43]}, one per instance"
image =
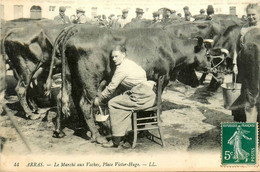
{"type": "Point", "coordinates": [210, 140]}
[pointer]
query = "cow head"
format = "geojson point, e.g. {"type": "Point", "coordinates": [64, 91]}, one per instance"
{"type": "Point", "coordinates": [217, 58]}
{"type": "Point", "coordinates": [220, 60]}
{"type": "Point", "coordinates": [225, 47]}
{"type": "Point", "coordinates": [201, 50]}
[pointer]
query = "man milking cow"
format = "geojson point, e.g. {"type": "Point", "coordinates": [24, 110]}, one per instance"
{"type": "Point", "coordinates": [246, 66]}
{"type": "Point", "coordinates": [139, 94]}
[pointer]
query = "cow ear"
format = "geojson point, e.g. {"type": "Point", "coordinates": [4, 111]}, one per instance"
{"type": "Point", "coordinates": [198, 47]}
{"type": "Point", "coordinates": [200, 41]}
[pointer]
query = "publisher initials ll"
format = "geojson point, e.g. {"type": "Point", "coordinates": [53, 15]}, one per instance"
{"type": "Point", "coordinates": [152, 164]}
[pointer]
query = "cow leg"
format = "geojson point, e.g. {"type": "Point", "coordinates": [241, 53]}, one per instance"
{"type": "Point", "coordinates": [239, 115]}
{"type": "Point", "coordinates": [62, 108]}
{"type": "Point", "coordinates": [87, 112]}
{"type": "Point", "coordinates": [21, 92]}
{"type": "Point", "coordinates": [202, 78]}
{"type": "Point", "coordinates": [216, 81]}
{"type": "Point", "coordinates": [58, 133]}
{"type": "Point", "coordinates": [33, 83]}
{"type": "Point", "coordinates": [251, 112]}
{"type": "Point", "coordinates": [188, 76]}
{"type": "Point", "coordinates": [33, 105]}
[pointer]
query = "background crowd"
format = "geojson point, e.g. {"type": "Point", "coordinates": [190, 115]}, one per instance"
{"type": "Point", "coordinates": [119, 21]}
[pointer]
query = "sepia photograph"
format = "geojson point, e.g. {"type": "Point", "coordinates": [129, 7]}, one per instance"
{"type": "Point", "coordinates": [127, 85]}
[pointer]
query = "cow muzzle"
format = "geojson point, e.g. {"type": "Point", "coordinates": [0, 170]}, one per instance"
{"type": "Point", "coordinates": [216, 57]}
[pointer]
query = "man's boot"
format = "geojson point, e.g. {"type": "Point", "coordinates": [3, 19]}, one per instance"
{"type": "Point", "coordinates": [114, 143]}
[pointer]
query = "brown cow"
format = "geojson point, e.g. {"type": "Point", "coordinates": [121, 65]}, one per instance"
{"type": "Point", "coordinates": [29, 54]}
{"type": "Point", "coordinates": [88, 58]}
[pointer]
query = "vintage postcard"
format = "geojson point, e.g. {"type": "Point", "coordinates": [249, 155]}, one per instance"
{"type": "Point", "coordinates": [117, 85]}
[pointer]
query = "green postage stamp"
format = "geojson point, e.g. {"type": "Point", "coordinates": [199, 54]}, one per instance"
{"type": "Point", "coordinates": [239, 143]}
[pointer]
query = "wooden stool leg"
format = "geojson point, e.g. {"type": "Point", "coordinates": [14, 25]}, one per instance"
{"type": "Point", "coordinates": [135, 129]}
{"type": "Point", "coordinates": [161, 136]}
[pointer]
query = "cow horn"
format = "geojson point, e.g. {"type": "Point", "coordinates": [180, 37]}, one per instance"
{"type": "Point", "coordinates": [223, 50]}
{"type": "Point", "coordinates": [35, 82]}
{"type": "Point", "coordinates": [200, 40]}
{"type": "Point", "coordinates": [208, 41]}
{"type": "Point", "coordinates": [31, 85]}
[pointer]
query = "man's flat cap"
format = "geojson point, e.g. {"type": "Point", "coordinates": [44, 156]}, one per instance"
{"type": "Point", "coordinates": [62, 9]}
{"type": "Point", "coordinates": [80, 10]}
{"type": "Point", "coordinates": [186, 8]}
{"type": "Point", "coordinates": [202, 11]}
{"type": "Point", "coordinates": [125, 11]}
{"type": "Point", "coordinates": [139, 10]}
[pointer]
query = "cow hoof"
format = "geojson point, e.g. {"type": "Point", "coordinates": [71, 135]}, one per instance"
{"type": "Point", "coordinates": [58, 134]}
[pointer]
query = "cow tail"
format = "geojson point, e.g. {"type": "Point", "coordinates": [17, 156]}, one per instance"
{"type": "Point", "coordinates": [3, 67]}
{"type": "Point", "coordinates": [3, 59]}
{"type": "Point", "coordinates": [57, 42]}
{"type": "Point", "coordinates": [63, 104]}
{"type": "Point", "coordinates": [3, 40]}
{"type": "Point", "coordinates": [3, 52]}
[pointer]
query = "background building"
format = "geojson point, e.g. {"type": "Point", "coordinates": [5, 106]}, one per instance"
{"type": "Point", "coordinates": [13, 9]}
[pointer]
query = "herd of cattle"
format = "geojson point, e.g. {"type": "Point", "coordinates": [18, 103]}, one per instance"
{"type": "Point", "coordinates": [37, 50]}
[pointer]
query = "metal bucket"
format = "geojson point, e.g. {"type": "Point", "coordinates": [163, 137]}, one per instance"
{"type": "Point", "coordinates": [231, 91]}
{"type": "Point", "coordinates": [101, 117]}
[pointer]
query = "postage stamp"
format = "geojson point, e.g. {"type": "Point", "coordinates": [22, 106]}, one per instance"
{"type": "Point", "coordinates": [239, 144]}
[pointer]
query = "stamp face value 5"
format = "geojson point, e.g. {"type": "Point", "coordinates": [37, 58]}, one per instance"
{"type": "Point", "coordinates": [239, 143]}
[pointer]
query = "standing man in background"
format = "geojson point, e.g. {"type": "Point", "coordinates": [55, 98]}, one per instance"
{"type": "Point", "coordinates": [201, 16]}
{"type": "Point", "coordinates": [139, 15]}
{"type": "Point", "coordinates": [113, 22]}
{"type": "Point", "coordinates": [187, 14]}
{"type": "Point", "coordinates": [166, 15]}
{"type": "Point", "coordinates": [62, 18]}
{"type": "Point", "coordinates": [210, 12]}
{"type": "Point", "coordinates": [104, 20]}
{"type": "Point", "coordinates": [156, 17]}
{"type": "Point", "coordinates": [174, 16]}
{"type": "Point", "coordinates": [81, 18]}
{"type": "Point", "coordinates": [123, 20]}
